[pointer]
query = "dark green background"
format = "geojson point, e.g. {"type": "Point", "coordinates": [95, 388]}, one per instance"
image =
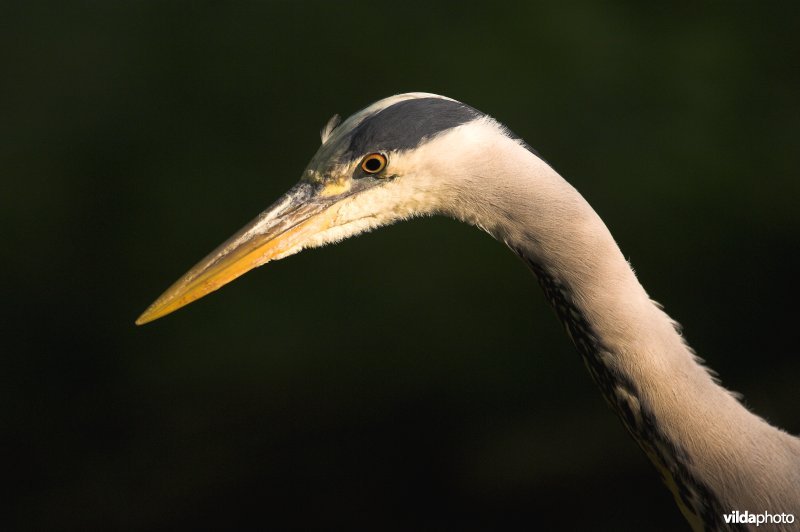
{"type": "Point", "coordinates": [410, 379]}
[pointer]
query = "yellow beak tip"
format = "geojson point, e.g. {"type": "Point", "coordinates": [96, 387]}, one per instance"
{"type": "Point", "coordinates": [146, 317]}
{"type": "Point", "coordinates": [153, 312]}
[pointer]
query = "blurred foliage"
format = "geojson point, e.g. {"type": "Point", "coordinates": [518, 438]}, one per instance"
{"type": "Point", "coordinates": [409, 379]}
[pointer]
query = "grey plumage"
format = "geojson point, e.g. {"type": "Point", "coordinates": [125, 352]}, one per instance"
{"type": "Point", "coordinates": [444, 157]}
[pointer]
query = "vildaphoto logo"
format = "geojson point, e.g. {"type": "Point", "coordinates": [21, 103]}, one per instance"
{"type": "Point", "coordinates": [764, 518]}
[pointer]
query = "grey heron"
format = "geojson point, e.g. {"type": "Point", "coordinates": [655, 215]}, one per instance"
{"type": "Point", "coordinates": [420, 154]}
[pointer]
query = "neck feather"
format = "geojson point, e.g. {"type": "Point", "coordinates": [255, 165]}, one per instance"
{"type": "Point", "coordinates": [712, 452]}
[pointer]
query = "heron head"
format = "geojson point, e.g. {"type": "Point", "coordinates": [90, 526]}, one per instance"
{"type": "Point", "coordinates": [376, 167]}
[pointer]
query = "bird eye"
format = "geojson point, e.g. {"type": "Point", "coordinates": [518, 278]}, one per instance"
{"type": "Point", "coordinates": [373, 163]}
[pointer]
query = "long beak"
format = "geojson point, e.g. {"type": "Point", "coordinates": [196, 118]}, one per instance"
{"type": "Point", "coordinates": [279, 231]}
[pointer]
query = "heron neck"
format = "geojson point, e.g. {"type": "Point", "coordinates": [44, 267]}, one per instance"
{"type": "Point", "coordinates": [688, 425]}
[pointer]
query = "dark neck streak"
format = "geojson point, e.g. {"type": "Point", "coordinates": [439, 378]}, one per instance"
{"type": "Point", "coordinates": [693, 496]}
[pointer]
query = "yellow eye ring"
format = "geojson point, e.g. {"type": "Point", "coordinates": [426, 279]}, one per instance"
{"type": "Point", "coordinates": [373, 163]}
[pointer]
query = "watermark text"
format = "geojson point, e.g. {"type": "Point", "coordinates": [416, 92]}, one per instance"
{"type": "Point", "coordinates": [764, 518]}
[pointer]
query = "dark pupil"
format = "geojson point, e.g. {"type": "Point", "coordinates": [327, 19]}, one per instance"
{"type": "Point", "coordinates": [373, 164]}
